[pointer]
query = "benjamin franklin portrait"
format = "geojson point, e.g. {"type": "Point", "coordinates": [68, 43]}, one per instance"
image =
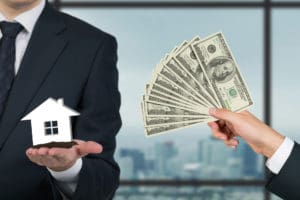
{"type": "Point", "coordinates": [220, 69]}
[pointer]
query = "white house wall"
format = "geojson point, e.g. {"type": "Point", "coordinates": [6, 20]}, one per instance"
{"type": "Point", "coordinates": [38, 130]}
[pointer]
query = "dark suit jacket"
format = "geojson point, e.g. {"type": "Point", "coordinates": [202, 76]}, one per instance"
{"type": "Point", "coordinates": [66, 58]}
{"type": "Point", "coordinates": [287, 183]}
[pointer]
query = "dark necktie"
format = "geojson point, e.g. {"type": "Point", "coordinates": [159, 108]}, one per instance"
{"type": "Point", "coordinates": [7, 58]}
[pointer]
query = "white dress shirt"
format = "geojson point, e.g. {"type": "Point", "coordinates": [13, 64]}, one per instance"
{"type": "Point", "coordinates": [67, 179]}
{"type": "Point", "coordinates": [279, 158]}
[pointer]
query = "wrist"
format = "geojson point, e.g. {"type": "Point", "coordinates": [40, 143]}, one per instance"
{"type": "Point", "coordinates": [70, 174]}
{"type": "Point", "coordinates": [271, 144]}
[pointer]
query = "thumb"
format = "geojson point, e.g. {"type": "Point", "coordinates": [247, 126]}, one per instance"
{"type": "Point", "coordinates": [223, 114]}
{"type": "Point", "coordinates": [84, 148]}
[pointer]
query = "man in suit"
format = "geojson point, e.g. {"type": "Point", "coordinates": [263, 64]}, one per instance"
{"type": "Point", "coordinates": [45, 53]}
{"type": "Point", "coordinates": [283, 154]}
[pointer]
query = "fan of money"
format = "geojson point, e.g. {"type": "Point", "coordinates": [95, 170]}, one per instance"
{"type": "Point", "coordinates": [193, 77]}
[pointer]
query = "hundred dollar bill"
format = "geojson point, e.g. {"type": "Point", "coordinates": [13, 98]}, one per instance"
{"type": "Point", "coordinates": [222, 71]}
{"type": "Point", "coordinates": [188, 61]}
{"type": "Point", "coordinates": [155, 95]}
{"type": "Point", "coordinates": [164, 120]}
{"type": "Point", "coordinates": [150, 131]}
{"type": "Point", "coordinates": [175, 79]}
{"type": "Point", "coordinates": [160, 109]}
{"type": "Point", "coordinates": [200, 111]}
{"type": "Point", "coordinates": [164, 85]}
{"type": "Point", "coordinates": [173, 95]}
{"type": "Point", "coordinates": [182, 45]}
{"type": "Point", "coordinates": [191, 84]}
{"type": "Point", "coordinates": [173, 52]}
{"type": "Point", "coordinates": [165, 101]}
{"type": "Point", "coordinates": [159, 121]}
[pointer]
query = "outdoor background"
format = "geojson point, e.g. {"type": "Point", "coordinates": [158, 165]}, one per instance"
{"type": "Point", "coordinates": [189, 164]}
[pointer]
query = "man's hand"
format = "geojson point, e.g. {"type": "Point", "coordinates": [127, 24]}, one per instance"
{"type": "Point", "coordinates": [60, 159]}
{"type": "Point", "coordinates": [261, 138]}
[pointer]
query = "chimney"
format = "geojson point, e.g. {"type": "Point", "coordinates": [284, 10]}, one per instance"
{"type": "Point", "coordinates": [60, 101]}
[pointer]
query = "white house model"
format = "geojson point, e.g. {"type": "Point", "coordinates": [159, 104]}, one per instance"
{"type": "Point", "coordinates": [50, 122]}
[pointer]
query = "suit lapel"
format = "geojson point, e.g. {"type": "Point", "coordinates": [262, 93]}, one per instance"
{"type": "Point", "coordinates": [45, 46]}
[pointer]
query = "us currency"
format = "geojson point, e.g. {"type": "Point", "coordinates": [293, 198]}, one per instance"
{"type": "Point", "coordinates": [167, 91]}
{"type": "Point", "coordinates": [173, 78]}
{"type": "Point", "coordinates": [166, 120]}
{"type": "Point", "coordinates": [182, 45]}
{"type": "Point", "coordinates": [159, 109]}
{"type": "Point", "coordinates": [164, 101]}
{"type": "Point", "coordinates": [174, 51]}
{"type": "Point", "coordinates": [164, 85]}
{"type": "Point", "coordinates": [222, 72]}
{"type": "Point", "coordinates": [159, 101]}
{"type": "Point", "coordinates": [188, 61]}
{"type": "Point", "coordinates": [150, 131]}
{"type": "Point", "coordinates": [157, 92]}
{"type": "Point", "coordinates": [188, 81]}
{"type": "Point", "coordinates": [159, 121]}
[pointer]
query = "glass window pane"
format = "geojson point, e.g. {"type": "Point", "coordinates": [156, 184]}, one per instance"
{"type": "Point", "coordinates": [286, 93]}
{"type": "Point", "coordinates": [55, 131]}
{"type": "Point", "coordinates": [285, 1]}
{"type": "Point", "coordinates": [144, 37]}
{"type": "Point", "coordinates": [48, 131]}
{"type": "Point", "coordinates": [54, 123]}
{"type": "Point", "coordinates": [190, 193]}
{"type": "Point", "coordinates": [47, 124]}
{"type": "Point", "coordinates": [160, 0]}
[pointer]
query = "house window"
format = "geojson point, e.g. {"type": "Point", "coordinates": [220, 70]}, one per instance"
{"type": "Point", "coordinates": [51, 128]}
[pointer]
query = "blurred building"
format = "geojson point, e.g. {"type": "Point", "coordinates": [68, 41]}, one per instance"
{"type": "Point", "coordinates": [213, 156]}
{"type": "Point", "coordinates": [137, 159]}
{"type": "Point", "coordinates": [250, 161]}
{"type": "Point", "coordinates": [164, 152]}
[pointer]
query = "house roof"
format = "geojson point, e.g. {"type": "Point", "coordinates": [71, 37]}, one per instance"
{"type": "Point", "coordinates": [50, 109]}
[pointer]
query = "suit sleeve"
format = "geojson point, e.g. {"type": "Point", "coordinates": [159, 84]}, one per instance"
{"type": "Point", "coordinates": [286, 184]}
{"type": "Point", "coordinates": [100, 121]}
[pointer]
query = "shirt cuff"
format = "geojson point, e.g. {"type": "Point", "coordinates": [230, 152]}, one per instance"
{"type": "Point", "coordinates": [277, 161]}
{"type": "Point", "coordinates": [69, 175]}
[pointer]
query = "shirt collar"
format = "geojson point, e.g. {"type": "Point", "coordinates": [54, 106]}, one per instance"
{"type": "Point", "coordinates": [29, 18]}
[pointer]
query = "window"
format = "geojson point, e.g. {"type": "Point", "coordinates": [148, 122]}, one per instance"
{"type": "Point", "coordinates": [51, 127]}
{"type": "Point", "coordinates": [190, 162]}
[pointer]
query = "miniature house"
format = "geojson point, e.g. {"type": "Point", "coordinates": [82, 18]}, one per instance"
{"type": "Point", "coordinates": [50, 122]}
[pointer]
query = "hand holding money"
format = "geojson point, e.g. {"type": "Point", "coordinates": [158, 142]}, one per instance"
{"type": "Point", "coordinates": [260, 137]}
{"type": "Point", "coordinates": [194, 77]}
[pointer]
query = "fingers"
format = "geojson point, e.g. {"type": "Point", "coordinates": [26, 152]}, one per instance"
{"type": "Point", "coordinates": [33, 156]}
{"type": "Point", "coordinates": [216, 131]}
{"type": "Point", "coordinates": [223, 114]}
{"type": "Point", "coordinates": [60, 152]}
{"type": "Point", "coordinates": [232, 143]}
{"type": "Point", "coordinates": [246, 112]}
{"type": "Point", "coordinates": [59, 159]}
{"type": "Point", "coordinates": [88, 147]}
{"type": "Point", "coordinates": [39, 156]}
{"type": "Point", "coordinates": [223, 134]}
{"type": "Point", "coordinates": [221, 123]}
{"type": "Point", "coordinates": [42, 151]}
{"type": "Point", "coordinates": [37, 152]}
